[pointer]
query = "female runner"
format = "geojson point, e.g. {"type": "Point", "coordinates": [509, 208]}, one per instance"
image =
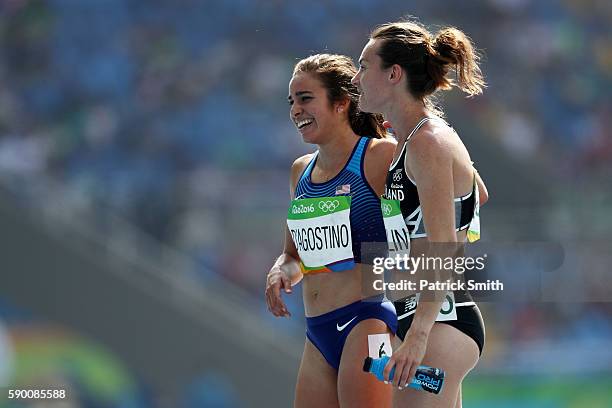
{"type": "Point", "coordinates": [333, 223]}
{"type": "Point", "coordinates": [437, 190]}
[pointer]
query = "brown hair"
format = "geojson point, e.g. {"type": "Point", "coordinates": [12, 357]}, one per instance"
{"type": "Point", "coordinates": [335, 73]}
{"type": "Point", "coordinates": [427, 59]}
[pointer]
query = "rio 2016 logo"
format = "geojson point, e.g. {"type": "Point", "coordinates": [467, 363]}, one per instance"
{"type": "Point", "coordinates": [301, 209]}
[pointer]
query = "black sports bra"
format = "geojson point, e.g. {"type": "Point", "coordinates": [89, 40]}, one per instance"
{"type": "Point", "coordinates": [400, 187]}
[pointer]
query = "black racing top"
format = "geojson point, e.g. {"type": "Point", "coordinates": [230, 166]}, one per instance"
{"type": "Point", "coordinates": [400, 187]}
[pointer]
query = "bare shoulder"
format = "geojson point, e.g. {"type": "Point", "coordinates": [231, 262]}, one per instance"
{"type": "Point", "coordinates": [382, 149]}
{"type": "Point", "coordinates": [433, 142]}
{"type": "Point", "coordinates": [383, 144]}
{"type": "Point", "coordinates": [378, 158]}
{"type": "Point", "coordinates": [300, 163]}
{"type": "Point", "coordinates": [298, 166]}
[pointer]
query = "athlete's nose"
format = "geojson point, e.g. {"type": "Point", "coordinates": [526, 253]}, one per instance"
{"type": "Point", "coordinates": [295, 111]}
{"type": "Point", "coordinates": [355, 79]}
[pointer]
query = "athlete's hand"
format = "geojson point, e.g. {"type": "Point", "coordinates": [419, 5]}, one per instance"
{"type": "Point", "coordinates": [406, 359]}
{"type": "Point", "coordinates": [276, 281]}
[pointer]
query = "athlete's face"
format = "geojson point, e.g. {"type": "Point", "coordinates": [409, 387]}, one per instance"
{"type": "Point", "coordinates": [311, 112]}
{"type": "Point", "coordinates": [372, 80]}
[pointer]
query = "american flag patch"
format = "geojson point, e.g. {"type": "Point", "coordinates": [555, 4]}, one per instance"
{"type": "Point", "coordinates": [343, 189]}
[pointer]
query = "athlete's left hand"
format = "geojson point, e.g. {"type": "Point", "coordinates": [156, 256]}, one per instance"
{"type": "Point", "coordinates": [406, 359]}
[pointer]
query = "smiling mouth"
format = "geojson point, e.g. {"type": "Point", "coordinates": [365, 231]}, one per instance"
{"type": "Point", "coordinates": [303, 123]}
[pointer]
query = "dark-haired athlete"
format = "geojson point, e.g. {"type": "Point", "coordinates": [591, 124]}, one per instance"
{"type": "Point", "coordinates": [437, 188]}
{"type": "Point", "coordinates": [335, 210]}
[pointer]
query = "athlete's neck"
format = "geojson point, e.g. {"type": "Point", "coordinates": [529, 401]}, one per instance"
{"type": "Point", "coordinates": [335, 152]}
{"type": "Point", "coordinates": [404, 116]}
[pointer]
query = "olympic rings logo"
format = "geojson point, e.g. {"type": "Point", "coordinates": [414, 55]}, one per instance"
{"type": "Point", "coordinates": [386, 209]}
{"type": "Point", "coordinates": [327, 206]}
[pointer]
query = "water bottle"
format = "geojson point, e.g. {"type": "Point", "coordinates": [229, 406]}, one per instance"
{"type": "Point", "coordinates": [426, 378]}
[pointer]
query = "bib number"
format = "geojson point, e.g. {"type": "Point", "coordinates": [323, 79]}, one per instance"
{"type": "Point", "coordinates": [398, 235]}
{"type": "Point", "coordinates": [321, 230]}
{"type": "Point", "coordinates": [448, 310]}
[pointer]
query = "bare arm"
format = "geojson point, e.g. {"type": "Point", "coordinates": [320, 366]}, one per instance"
{"type": "Point", "coordinates": [430, 159]}
{"type": "Point", "coordinates": [286, 270]}
{"type": "Point", "coordinates": [432, 166]}
{"type": "Point", "coordinates": [377, 161]}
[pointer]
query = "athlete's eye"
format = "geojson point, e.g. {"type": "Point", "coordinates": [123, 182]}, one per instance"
{"type": "Point", "coordinates": [306, 98]}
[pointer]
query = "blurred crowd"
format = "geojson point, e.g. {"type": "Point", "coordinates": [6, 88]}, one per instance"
{"type": "Point", "coordinates": [173, 115]}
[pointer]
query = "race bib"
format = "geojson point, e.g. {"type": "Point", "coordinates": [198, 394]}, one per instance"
{"type": "Point", "coordinates": [448, 310]}
{"type": "Point", "coordinates": [379, 345]}
{"type": "Point", "coordinates": [398, 235]}
{"type": "Point", "coordinates": [321, 230]}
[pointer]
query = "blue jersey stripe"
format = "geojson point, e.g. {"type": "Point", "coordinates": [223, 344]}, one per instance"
{"type": "Point", "coordinates": [354, 164]}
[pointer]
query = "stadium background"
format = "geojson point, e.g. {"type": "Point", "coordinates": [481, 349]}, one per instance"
{"type": "Point", "coordinates": [144, 156]}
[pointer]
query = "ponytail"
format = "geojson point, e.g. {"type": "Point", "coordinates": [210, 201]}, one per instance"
{"type": "Point", "coordinates": [427, 60]}
{"type": "Point", "coordinates": [366, 124]}
{"type": "Point", "coordinates": [451, 47]}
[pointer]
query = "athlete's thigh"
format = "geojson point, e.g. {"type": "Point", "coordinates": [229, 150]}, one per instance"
{"type": "Point", "coordinates": [455, 353]}
{"type": "Point", "coordinates": [356, 388]}
{"type": "Point", "coordinates": [316, 382]}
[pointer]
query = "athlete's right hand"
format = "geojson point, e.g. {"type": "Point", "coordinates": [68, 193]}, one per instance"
{"type": "Point", "coordinates": [276, 281]}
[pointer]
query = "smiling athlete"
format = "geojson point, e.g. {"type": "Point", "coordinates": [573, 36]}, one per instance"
{"type": "Point", "coordinates": [334, 216]}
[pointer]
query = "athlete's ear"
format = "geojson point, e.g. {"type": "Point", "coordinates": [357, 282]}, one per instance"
{"type": "Point", "coordinates": [342, 106]}
{"type": "Point", "coordinates": [395, 73]}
